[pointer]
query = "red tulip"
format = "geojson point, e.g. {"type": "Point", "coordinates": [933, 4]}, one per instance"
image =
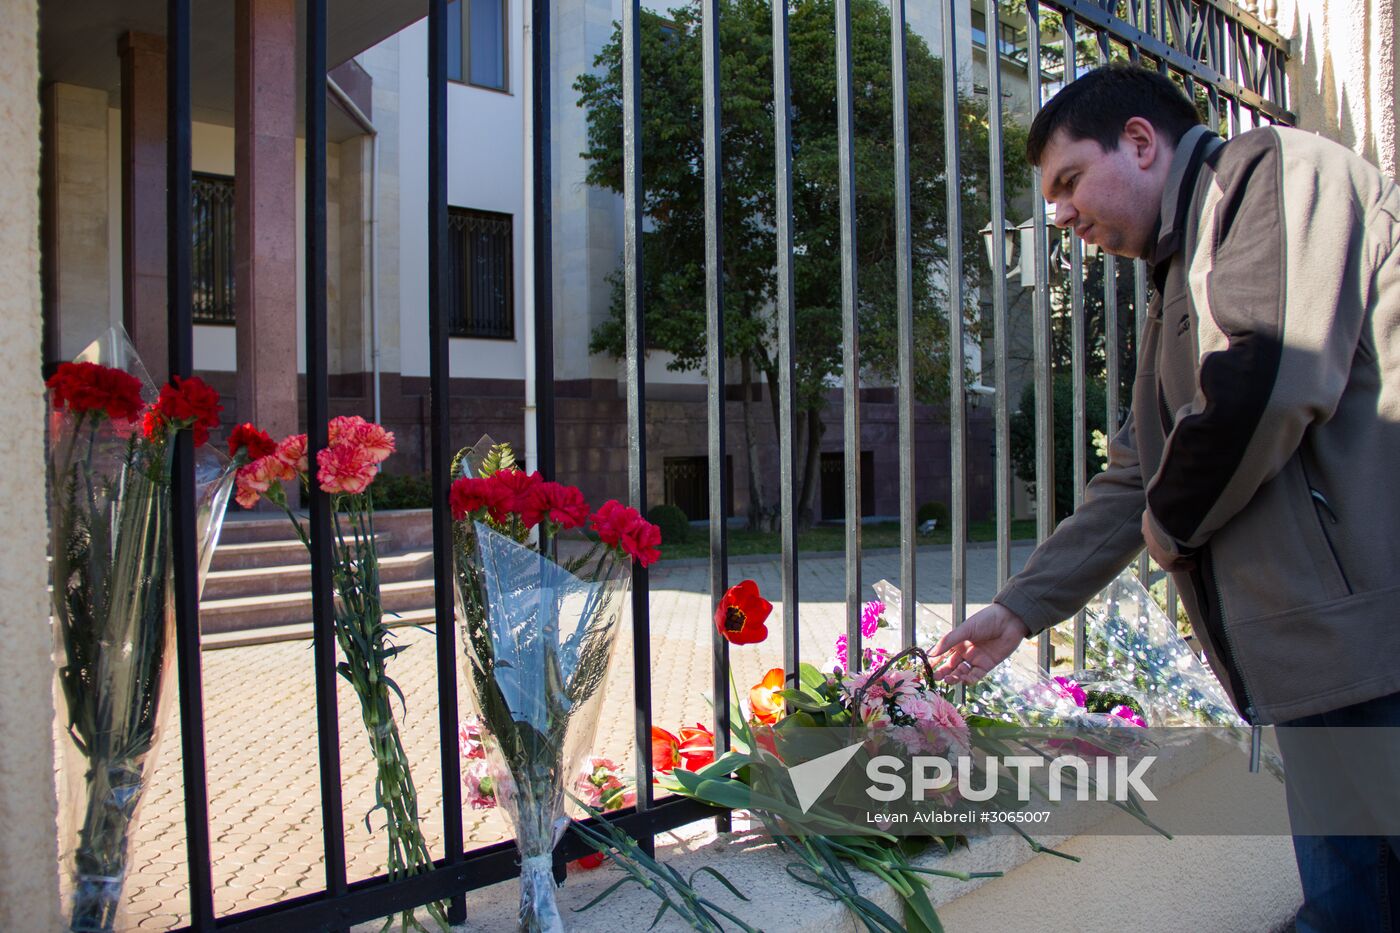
{"type": "Point", "coordinates": [741, 614]}
{"type": "Point", "coordinates": [697, 747]}
{"type": "Point", "coordinates": [665, 750]}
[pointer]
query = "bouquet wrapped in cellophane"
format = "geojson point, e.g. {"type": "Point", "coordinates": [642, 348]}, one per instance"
{"type": "Point", "coordinates": [111, 442]}
{"type": "Point", "coordinates": [538, 637]}
{"type": "Point", "coordinates": [345, 469]}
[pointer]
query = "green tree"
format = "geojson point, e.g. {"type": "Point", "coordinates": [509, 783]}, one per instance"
{"type": "Point", "coordinates": [673, 202]}
{"type": "Point", "coordinates": [1023, 445]}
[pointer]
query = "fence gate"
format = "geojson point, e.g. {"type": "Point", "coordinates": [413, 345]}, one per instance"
{"type": "Point", "coordinates": [1223, 55]}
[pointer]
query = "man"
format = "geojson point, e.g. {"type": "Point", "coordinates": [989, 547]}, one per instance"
{"type": "Point", "coordinates": [1258, 465]}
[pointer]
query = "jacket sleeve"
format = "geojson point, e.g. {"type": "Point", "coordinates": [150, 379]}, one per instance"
{"type": "Point", "coordinates": [1089, 548]}
{"type": "Point", "coordinates": [1275, 334]}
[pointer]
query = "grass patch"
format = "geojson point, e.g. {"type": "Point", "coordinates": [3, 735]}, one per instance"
{"type": "Point", "coordinates": [832, 538]}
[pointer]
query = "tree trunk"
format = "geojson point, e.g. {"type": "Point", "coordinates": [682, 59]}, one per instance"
{"type": "Point", "coordinates": [807, 506]}
{"type": "Point", "coordinates": [760, 512]}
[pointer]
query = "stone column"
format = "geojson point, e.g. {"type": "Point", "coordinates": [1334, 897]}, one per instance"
{"type": "Point", "coordinates": [144, 307]}
{"type": "Point", "coordinates": [28, 833]}
{"type": "Point", "coordinates": [265, 240]}
{"type": "Point", "coordinates": [76, 296]}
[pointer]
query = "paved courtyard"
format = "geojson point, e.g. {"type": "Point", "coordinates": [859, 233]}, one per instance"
{"type": "Point", "coordinates": [260, 727]}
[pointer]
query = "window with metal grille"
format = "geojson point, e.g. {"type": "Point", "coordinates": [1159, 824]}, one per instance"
{"type": "Point", "coordinates": [687, 485]}
{"type": "Point", "coordinates": [481, 300]}
{"type": "Point", "coordinates": [212, 222]}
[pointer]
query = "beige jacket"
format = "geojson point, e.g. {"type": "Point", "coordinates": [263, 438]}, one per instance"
{"type": "Point", "coordinates": [1264, 438]}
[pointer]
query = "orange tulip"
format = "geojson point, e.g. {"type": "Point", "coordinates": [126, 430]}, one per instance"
{"type": "Point", "coordinates": [766, 700]}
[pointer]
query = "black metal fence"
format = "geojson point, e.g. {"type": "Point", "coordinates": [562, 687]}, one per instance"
{"type": "Point", "coordinates": [1227, 57]}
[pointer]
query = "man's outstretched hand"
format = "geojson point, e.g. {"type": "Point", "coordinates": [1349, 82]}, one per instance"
{"type": "Point", "coordinates": [987, 638]}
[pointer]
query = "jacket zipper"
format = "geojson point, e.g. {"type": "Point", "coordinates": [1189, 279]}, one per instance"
{"type": "Point", "coordinates": [1215, 619]}
{"type": "Point", "coordinates": [1320, 504]}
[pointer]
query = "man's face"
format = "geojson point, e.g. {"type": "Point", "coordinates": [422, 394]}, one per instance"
{"type": "Point", "coordinates": [1111, 199]}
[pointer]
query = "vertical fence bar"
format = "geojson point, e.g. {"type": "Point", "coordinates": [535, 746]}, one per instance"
{"type": "Point", "coordinates": [720, 492]}
{"type": "Point", "coordinates": [957, 376]}
{"type": "Point", "coordinates": [787, 332]}
{"type": "Point", "coordinates": [1078, 371]}
{"type": "Point", "coordinates": [180, 326]}
{"type": "Point", "coordinates": [1040, 334]}
{"type": "Point", "coordinates": [439, 379]}
{"type": "Point", "coordinates": [1140, 323]}
{"type": "Point", "coordinates": [904, 292]}
{"type": "Point", "coordinates": [1000, 316]}
{"type": "Point", "coordinates": [636, 383]}
{"type": "Point", "coordinates": [850, 328]}
{"type": "Point", "coordinates": [317, 417]}
{"type": "Point", "coordinates": [1112, 352]}
{"type": "Point", "coordinates": [542, 185]}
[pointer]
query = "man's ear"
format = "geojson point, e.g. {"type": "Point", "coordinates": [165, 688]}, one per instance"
{"type": "Point", "coordinates": [1142, 142]}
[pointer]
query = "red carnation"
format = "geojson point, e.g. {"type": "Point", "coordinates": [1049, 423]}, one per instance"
{"type": "Point", "coordinates": [611, 519]}
{"type": "Point", "coordinates": [555, 503]}
{"type": "Point", "coordinates": [642, 541]}
{"type": "Point", "coordinates": [511, 491]}
{"type": "Point", "coordinates": [82, 387]}
{"type": "Point", "coordinates": [186, 403]}
{"type": "Point", "coordinates": [468, 496]}
{"type": "Point", "coordinates": [257, 443]}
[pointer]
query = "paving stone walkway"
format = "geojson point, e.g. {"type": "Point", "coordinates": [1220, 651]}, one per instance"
{"type": "Point", "coordinates": [260, 728]}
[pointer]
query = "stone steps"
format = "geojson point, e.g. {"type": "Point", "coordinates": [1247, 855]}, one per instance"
{"type": "Point", "coordinates": [250, 612]}
{"type": "Point", "coordinates": [295, 578]}
{"type": "Point", "coordinates": [298, 631]}
{"type": "Point", "coordinates": [260, 576]}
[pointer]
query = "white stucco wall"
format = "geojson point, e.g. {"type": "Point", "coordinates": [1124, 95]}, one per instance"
{"type": "Point", "coordinates": [1343, 79]}
{"type": "Point", "coordinates": [28, 832]}
{"type": "Point", "coordinates": [485, 171]}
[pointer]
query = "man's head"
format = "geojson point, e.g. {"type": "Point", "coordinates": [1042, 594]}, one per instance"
{"type": "Point", "coordinates": [1104, 145]}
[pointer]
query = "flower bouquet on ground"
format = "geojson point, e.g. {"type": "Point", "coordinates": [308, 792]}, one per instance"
{"type": "Point", "coordinates": [880, 704]}
{"type": "Point", "coordinates": [346, 469]}
{"type": "Point", "coordinates": [109, 463]}
{"type": "Point", "coordinates": [538, 638]}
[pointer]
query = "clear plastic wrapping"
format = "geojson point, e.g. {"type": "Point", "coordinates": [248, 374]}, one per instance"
{"type": "Point", "coordinates": [538, 641]}
{"type": "Point", "coordinates": [114, 625]}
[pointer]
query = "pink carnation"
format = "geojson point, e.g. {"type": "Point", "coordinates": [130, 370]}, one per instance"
{"type": "Point", "coordinates": [870, 615]}
{"type": "Point", "coordinates": [345, 469]}
{"type": "Point", "coordinates": [354, 431]}
{"type": "Point", "coordinates": [292, 452]}
{"type": "Point", "coordinates": [470, 735]}
{"type": "Point", "coordinates": [1070, 690]}
{"type": "Point", "coordinates": [479, 784]}
{"type": "Point", "coordinates": [1126, 713]}
{"type": "Point", "coordinates": [253, 480]}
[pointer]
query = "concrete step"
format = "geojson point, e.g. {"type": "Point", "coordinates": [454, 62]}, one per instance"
{"type": "Point", "coordinates": [413, 528]}
{"type": "Point", "coordinates": [296, 578]}
{"type": "Point", "coordinates": [282, 552]}
{"type": "Point", "coordinates": [298, 631]}
{"type": "Point", "coordinates": [248, 612]}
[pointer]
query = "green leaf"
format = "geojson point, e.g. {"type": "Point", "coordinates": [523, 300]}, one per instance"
{"type": "Point", "coordinates": [810, 678]}
{"type": "Point", "coordinates": [710, 870]}
{"type": "Point", "coordinates": [606, 893]}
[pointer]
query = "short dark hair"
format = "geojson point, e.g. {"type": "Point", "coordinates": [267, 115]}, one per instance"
{"type": "Point", "coordinates": [1098, 105]}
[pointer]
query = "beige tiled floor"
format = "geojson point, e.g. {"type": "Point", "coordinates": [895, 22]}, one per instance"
{"type": "Point", "coordinates": [260, 730]}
